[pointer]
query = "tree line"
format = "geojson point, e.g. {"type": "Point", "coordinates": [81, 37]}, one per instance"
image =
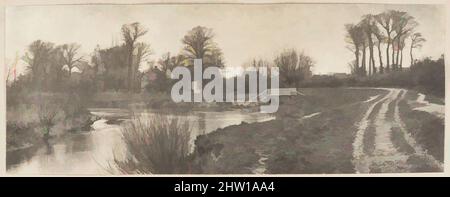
{"type": "Point", "coordinates": [390, 28]}
{"type": "Point", "coordinates": [52, 67]}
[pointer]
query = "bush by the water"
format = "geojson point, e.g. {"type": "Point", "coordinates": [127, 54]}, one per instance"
{"type": "Point", "coordinates": [155, 145]}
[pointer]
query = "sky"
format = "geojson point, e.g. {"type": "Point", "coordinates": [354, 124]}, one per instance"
{"type": "Point", "coordinates": [243, 32]}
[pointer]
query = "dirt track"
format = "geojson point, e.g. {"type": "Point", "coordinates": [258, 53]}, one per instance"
{"type": "Point", "coordinates": [383, 118]}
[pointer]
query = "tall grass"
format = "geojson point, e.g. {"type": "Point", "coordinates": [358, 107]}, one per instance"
{"type": "Point", "coordinates": [155, 145]}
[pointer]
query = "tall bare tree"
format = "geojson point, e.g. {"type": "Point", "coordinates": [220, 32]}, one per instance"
{"type": "Point", "coordinates": [355, 37]}
{"type": "Point", "coordinates": [367, 23]}
{"type": "Point", "coordinates": [142, 52]}
{"type": "Point", "coordinates": [385, 21]}
{"type": "Point", "coordinates": [131, 33]}
{"type": "Point", "coordinates": [416, 42]}
{"type": "Point", "coordinates": [294, 67]}
{"type": "Point", "coordinates": [199, 44]}
{"type": "Point", "coordinates": [363, 59]}
{"type": "Point", "coordinates": [380, 39]}
{"type": "Point", "coordinates": [401, 46]}
{"type": "Point", "coordinates": [402, 24]}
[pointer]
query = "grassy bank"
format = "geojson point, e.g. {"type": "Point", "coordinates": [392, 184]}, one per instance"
{"type": "Point", "coordinates": [153, 100]}
{"type": "Point", "coordinates": [320, 144]}
{"type": "Point", "coordinates": [43, 115]}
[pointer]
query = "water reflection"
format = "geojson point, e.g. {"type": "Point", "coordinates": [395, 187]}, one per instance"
{"type": "Point", "coordinates": [92, 153]}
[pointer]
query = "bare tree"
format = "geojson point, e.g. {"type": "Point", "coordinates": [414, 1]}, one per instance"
{"type": "Point", "coordinates": [403, 23]}
{"type": "Point", "coordinates": [142, 52]}
{"type": "Point", "coordinates": [355, 36]}
{"type": "Point", "coordinates": [69, 54]}
{"type": "Point", "coordinates": [294, 67]}
{"type": "Point", "coordinates": [199, 44]}
{"type": "Point", "coordinates": [363, 59]}
{"type": "Point", "coordinates": [367, 24]}
{"type": "Point", "coordinates": [385, 21]}
{"type": "Point", "coordinates": [131, 33]}
{"type": "Point", "coordinates": [416, 42]}
{"type": "Point", "coordinates": [380, 39]}
{"type": "Point", "coordinates": [168, 62]}
{"type": "Point", "coordinates": [401, 46]}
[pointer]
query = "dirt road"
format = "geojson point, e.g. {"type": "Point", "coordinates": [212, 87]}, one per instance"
{"type": "Point", "coordinates": [381, 134]}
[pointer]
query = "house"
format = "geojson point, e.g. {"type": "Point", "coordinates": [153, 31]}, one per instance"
{"type": "Point", "coordinates": [341, 75]}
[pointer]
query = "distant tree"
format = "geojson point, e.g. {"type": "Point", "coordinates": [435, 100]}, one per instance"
{"type": "Point", "coordinates": [401, 46]}
{"type": "Point", "coordinates": [215, 58]}
{"type": "Point", "coordinates": [385, 21]}
{"type": "Point", "coordinates": [355, 36]}
{"type": "Point", "coordinates": [114, 63]}
{"type": "Point", "coordinates": [142, 52]}
{"type": "Point", "coordinates": [402, 24]}
{"type": "Point", "coordinates": [70, 55]}
{"type": "Point", "coordinates": [354, 69]}
{"type": "Point", "coordinates": [258, 63]}
{"type": "Point", "coordinates": [56, 74]}
{"type": "Point", "coordinates": [38, 57]}
{"type": "Point", "coordinates": [168, 63]}
{"type": "Point", "coordinates": [98, 68]}
{"type": "Point", "coordinates": [199, 44]}
{"type": "Point", "coordinates": [368, 25]}
{"type": "Point", "coordinates": [416, 42]}
{"type": "Point", "coordinates": [293, 67]}
{"type": "Point", "coordinates": [159, 79]}
{"type": "Point", "coordinates": [363, 59]}
{"type": "Point", "coordinates": [131, 33]}
{"type": "Point", "coordinates": [380, 39]}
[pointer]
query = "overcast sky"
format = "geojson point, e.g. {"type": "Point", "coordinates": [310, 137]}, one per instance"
{"type": "Point", "coordinates": [242, 31]}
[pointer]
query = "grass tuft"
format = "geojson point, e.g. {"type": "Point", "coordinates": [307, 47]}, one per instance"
{"type": "Point", "coordinates": [156, 145]}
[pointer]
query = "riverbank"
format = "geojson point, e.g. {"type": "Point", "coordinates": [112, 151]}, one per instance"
{"type": "Point", "coordinates": [158, 101]}
{"type": "Point", "coordinates": [314, 133]}
{"type": "Point", "coordinates": [30, 128]}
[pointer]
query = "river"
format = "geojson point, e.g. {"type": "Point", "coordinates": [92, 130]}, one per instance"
{"type": "Point", "coordinates": [93, 152]}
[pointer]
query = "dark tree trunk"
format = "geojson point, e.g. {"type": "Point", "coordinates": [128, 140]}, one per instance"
{"type": "Point", "coordinates": [357, 58]}
{"type": "Point", "coordinates": [379, 56]}
{"type": "Point", "coordinates": [363, 63]}
{"type": "Point", "coordinates": [398, 54]}
{"type": "Point", "coordinates": [130, 64]}
{"type": "Point", "coordinates": [370, 64]}
{"type": "Point", "coordinates": [411, 55]}
{"type": "Point", "coordinates": [70, 70]}
{"type": "Point", "coordinates": [387, 54]}
{"type": "Point", "coordinates": [371, 56]}
{"type": "Point", "coordinates": [401, 59]}
{"type": "Point", "coordinates": [393, 54]}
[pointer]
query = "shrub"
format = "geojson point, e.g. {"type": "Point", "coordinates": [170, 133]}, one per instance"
{"type": "Point", "coordinates": [429, 76]}
{"type": "Point", "coordinates": [157, 145]}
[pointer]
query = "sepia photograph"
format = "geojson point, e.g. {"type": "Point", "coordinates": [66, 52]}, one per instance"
{"type": "Point", "coordinates": [225, 88]}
